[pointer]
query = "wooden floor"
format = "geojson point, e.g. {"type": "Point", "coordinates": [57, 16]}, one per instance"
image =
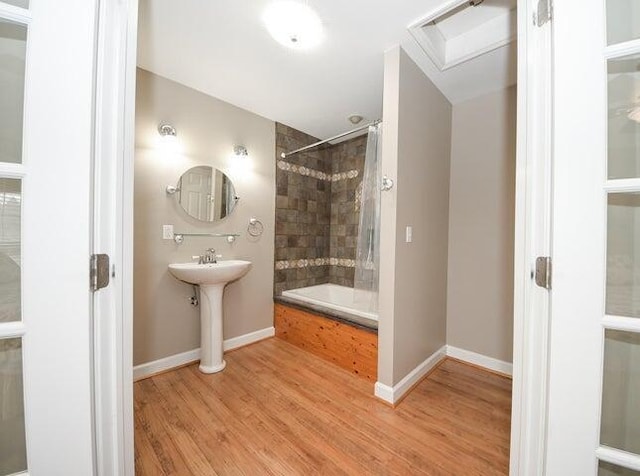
{"type": "Point", "coordinates": [277, 409]}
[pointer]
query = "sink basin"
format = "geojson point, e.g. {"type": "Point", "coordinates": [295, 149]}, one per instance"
{"type": "Point", "coordinates": [210, 273]}
{"type": "Point", "coordinates": [212, 278]}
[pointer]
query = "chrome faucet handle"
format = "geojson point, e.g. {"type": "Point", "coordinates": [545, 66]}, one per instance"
{"type": "Point", "coordinates": [208, 257]}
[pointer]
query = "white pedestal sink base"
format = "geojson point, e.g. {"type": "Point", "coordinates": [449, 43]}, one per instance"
{"type": "Point", "coordinates": [211, 277]}
{"type": "Point", "coordinates": [211, 353]}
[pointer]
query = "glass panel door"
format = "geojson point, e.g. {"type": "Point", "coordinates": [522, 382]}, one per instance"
{"type": "Point", "coordinates": [13, 455]}
{"type": "Point", "coordinates": [623, 20]}
{"type": "Point", "coordinates": [13, 49]}
{"type": "Point", "coordinates": [619, 451]}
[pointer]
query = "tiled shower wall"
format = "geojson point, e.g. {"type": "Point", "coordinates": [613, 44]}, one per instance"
{"type": "Point", "coordinates": [346, 157]}
{"type": "Point", "coordinates": [303, 212]}
{"type": "Point", "coordinates": [316, 211]}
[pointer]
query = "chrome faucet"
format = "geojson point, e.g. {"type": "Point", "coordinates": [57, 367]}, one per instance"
{"type": "Point", "coordinates": [208, 257]}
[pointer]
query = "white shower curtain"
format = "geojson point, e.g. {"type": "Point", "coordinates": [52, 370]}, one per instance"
{"type": "Point", "coordinates": [368, 249]}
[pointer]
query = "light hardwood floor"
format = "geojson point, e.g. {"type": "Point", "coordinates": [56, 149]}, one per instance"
{"type": "Point", "coordinates": [277, 409]}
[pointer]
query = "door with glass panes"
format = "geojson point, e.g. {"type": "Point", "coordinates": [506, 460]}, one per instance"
{"type": "Point", "coordinates": [46, 96]}
{"type": "Point", "coordinates": [594, 378]}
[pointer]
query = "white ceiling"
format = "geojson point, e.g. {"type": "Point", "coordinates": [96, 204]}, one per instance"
{"type": "Point", "coordinates": [221, 48]}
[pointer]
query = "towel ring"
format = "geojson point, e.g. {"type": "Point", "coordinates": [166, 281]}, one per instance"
{"type": "Point", "coordinates": [255, 227]}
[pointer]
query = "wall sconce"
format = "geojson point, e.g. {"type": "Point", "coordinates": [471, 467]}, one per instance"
{"type": "Point", "coordinates": [167, 130]}
{"type": "Point", "coordinates": [240, 151]}
{"type": "Point", "coordinates": [240, 164]}
{"type": "Point", "coordinates": [168, 140]}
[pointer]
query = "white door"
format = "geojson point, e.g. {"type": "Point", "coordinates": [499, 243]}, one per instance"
{"type": "Point", "coordinates": [47, 51]}
{"type": "Point", "coordinates": [196, 194]}
{"type": "Point", "coordinates": [594, 378]}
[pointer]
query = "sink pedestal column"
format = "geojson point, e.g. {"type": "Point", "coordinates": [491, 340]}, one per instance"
{"type": "Point", "coordinates": [211, 353]}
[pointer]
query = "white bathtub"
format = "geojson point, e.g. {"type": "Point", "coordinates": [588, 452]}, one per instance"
{"type": "Point", "coordinates": [336, 298]}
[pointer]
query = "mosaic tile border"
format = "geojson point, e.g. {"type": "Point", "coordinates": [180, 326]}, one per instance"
{"type": "Point", "coordinates": [307, 172]}
{"type": "Point", "coordinates": [305, 263]}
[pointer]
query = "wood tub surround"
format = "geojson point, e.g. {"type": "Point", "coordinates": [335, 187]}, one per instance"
{"type": "Point", "coordinates": [352, 348]}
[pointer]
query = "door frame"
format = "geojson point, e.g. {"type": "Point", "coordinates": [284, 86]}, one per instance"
{"type": "Point", "coordinates": [533, 234]}
{"type": "Point", "coordinates": [118, 26]}
{"type": "Point", "coordinates": [114, 132]}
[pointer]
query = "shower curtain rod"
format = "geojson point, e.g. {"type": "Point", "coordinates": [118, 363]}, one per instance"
{"type": "Point", "coordinates": [284, 155]}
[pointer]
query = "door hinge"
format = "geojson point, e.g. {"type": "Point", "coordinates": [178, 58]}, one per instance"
{"type": "Point", "coordinates": [99, 271]}
{"type": "Point", "coordinates": [543, 271]}
{"type": "Point", "coordinates": [543, 13]}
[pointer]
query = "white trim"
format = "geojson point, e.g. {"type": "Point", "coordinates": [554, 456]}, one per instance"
{"type": "Point", "coordinates": [480, 360]}
{"type": "Point", "coordinates": [618, 457]}
{"type": "Point", "coordinates": [125, 239]}
{"type": "Point", "coordinates": [12, 329]}
{"type": "Point", "coordinates": [532, 238]}
{"type": "Point", "coordinates": [250, 338]}
{"type": "Point", "coordinates": [622, 185]}
{"type": "Point", "coordinates": [620, 323]}
{"type": "Point", "coordinates": [395, 393]}
{"type": "Point", "coordinates": [15, 14]}
{"type": "Point", "coordinates": [16, 171]}
{"type": "Point", "coordinates": [622, 49]}
{"type": "Point", "coordinates": [167, 363]}
{"type": "Point", "coordinates": [112, 234]}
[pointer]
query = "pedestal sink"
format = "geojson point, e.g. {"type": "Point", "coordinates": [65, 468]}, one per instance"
{"type": "Point", "coordinates": [212, 278]}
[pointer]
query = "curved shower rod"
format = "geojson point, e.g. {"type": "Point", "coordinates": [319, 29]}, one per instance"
{"type": "Point", "coordinates": [284, 155]}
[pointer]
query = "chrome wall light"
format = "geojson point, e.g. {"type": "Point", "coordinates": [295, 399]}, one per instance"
{"type": "Point", "coordinates": [240, 151]}
{"type": "Point", "coordinates": [167, 130]}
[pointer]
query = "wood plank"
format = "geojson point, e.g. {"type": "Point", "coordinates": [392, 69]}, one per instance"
{"type": "Point", "coordinates": [277, 409]}
{"type": "Point", "coordinates": [349, 347]}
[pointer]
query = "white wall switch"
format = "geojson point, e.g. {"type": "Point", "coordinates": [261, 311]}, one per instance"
{"type": "Point", "coordinates": [167, 232]}
{"type": "Point", "coordinates": [409, 234]}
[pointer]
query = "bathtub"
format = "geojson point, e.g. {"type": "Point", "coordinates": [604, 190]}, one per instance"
{"type": "Point", "coordinates": [339, 299]}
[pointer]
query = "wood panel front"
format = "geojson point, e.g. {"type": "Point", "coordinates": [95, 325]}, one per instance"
{"type": "Point", "coordinates": [349, 347]}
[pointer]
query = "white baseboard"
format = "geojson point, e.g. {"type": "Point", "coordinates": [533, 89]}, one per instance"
{"type": "Point", "coordinates": [161, 365]}
{"type": "Point", "coordinates": [395, 393]}
{"type": "Point", "coordinates": [480, 360]}
{"type": "Point", "coordinates": [249, 338]}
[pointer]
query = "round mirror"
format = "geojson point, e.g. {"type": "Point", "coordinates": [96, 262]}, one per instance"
{"type": "Point", "coordinates": [205, 193]}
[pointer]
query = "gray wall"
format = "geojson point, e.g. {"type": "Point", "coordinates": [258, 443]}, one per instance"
{"type": "Point", "coordinates": [481, 225]}
{"type": "Point", "coordinates": [164, 321]}
{"type": "Point", "coordinates": [413, 284]}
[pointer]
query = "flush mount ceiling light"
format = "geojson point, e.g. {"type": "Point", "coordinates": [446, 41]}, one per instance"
{"type": "Point", "coordinates": [293, 24]}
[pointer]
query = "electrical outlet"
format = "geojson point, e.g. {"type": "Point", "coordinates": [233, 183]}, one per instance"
{"type": "Point", "coordinates": [409, 234]}
{"type": "Point", "coordinates": [167, 232]}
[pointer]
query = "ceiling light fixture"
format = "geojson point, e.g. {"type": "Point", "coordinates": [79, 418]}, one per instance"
{"type": "Point", "coordinates": [293, 24]}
